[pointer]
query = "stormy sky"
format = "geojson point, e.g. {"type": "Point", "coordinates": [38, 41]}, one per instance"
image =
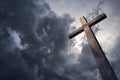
{"type": "Point", "coordinates": [34, 43]}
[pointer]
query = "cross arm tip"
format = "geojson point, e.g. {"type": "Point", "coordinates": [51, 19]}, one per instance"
{"type": "Point", "coordinates": [104, 15]}
{"type": "Point", "coordinates": [70, 36]}
{"type": "Point", "coordinates": [82, 18]}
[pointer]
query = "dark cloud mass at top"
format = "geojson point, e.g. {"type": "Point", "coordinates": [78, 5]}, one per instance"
{"type": "Point", "coordinates": [32, 38]}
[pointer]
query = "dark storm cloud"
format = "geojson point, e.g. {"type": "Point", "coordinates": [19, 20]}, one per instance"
{"type": "Point", "coordinates": [42, 30]}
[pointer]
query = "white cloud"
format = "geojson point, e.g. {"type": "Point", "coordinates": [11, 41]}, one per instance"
{"type": "Point", "coordinates": [16, 40]}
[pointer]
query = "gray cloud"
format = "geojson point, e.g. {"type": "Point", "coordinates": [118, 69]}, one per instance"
{"type": "Point", "coordinates": [42, 30]}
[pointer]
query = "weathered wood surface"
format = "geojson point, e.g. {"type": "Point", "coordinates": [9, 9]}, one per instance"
{"type": "Point", "coordinates": [91, 23]}
{"type": "Point", "coordinates": [103, 65]}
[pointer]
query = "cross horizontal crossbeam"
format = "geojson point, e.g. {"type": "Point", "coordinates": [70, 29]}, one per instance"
{"type": "Point", "coordinates": [91, 23]}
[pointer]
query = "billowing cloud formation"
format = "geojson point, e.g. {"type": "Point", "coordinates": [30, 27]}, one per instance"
{"type": "Point", "coordinates": [33, 41]}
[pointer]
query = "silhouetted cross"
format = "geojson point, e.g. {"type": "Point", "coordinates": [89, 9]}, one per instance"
{"type": "Point", "coordinates": [104, 66]}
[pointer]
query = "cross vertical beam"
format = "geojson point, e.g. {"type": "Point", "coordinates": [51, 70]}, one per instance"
{"type": "Point", "coordinates": [100, 58]}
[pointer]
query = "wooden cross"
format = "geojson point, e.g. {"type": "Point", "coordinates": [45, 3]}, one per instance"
{"type": "Point", "coordinates": [103, 65]}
